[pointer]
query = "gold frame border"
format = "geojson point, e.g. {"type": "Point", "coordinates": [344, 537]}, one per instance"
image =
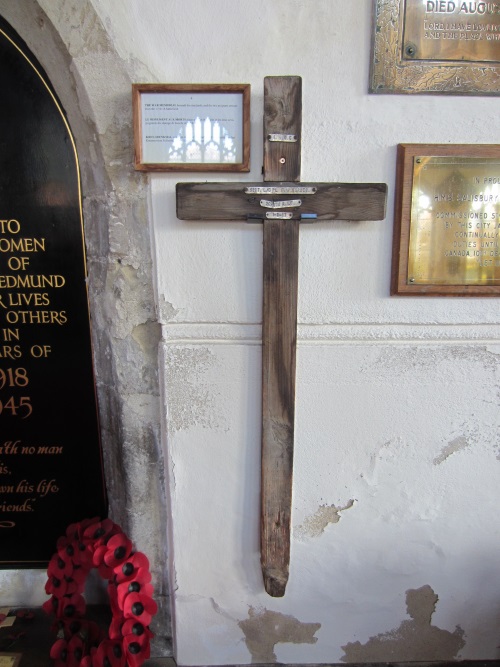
{"type": "Point", "coordinates": [389, 73]}
{"type": "Point", "coordinates": [403, 218]}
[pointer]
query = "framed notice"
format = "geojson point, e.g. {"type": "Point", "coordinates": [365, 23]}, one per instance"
{"type": "Point", "coordinates": [191, 127]}
{"type": "Point", "coordinates": [447, 221]}
{"type": "Point", "coordinates": [450, 47]}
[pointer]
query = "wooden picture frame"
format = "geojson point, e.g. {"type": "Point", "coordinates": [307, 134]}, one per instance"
{"type": "Point", "coordinates": [447, 220]}
{"type": "Point", "coordinates": [191, 127]}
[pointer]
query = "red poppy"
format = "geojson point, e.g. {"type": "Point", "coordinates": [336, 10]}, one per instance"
{"type": "Point", "coordinates": [76, 651]}
{"type": "Point", "coordinates": [111, 651]}
{"type": "Point", "coordinates": [51, 605]}
{"type": "Point", "coordinates": [113, 600]}
{"type": "Point", "coordinates": [134, 628]}
{"type": "Point", "coordinates": [75, 549]}
{"type": "Point", "coordinates": [98, 562]}
{"type": "Point", "coordinates": [140, 607]}
{"type": "Point", "coordinates": [61, 587]}
{"type": "Point", "coordinates": [81, 643]}
{"type": "Point", "coordinates": [115, 627]}
{"type": "Point", "coordinates": [132, 587]}
{"type": "Point", "coordinates": [97, 533]}
{"type": "Point", "coordinates": [71, 607]}
{"type": "Point", "coordinates": [59, 653]}
{"type": "Point", "coordinates": [60, 566]}
{"type": "Point", "coordinates": [137, 649]}
{"type": "Point", "coordinates": [119, 549]}
{"type": "Point", "coordinates": [135, 568]}
{"type": "Point", "coordinates": [79, 576]}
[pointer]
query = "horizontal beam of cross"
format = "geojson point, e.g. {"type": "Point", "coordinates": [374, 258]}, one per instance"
{"type": "Point", "coordinates": [233, 202]}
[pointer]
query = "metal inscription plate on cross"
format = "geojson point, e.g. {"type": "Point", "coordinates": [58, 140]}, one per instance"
{"type": "Point", "coordinates": [281, 205]}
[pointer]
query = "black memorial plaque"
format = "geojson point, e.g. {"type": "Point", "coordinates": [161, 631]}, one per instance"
{"type": "Point", "coordinates": [50, 454]}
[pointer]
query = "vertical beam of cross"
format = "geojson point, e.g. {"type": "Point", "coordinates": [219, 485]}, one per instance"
{"type": "Point", "coordinates": [271, 204]}
{"type": "Point", "coordinates": [282, 116]}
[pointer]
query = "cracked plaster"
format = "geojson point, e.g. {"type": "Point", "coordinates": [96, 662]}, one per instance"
{"type": "Point", "coordinates": [316, 524]}
{"type": "Point", "coordinates": [191, 400]}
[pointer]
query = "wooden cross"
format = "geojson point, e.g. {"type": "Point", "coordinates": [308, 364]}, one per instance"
{"type": "Point", "coordinates": [280, 205]}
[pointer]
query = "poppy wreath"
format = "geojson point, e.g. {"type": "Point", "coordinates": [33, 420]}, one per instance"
{"type": "Point", "coordinates": [82, 643]}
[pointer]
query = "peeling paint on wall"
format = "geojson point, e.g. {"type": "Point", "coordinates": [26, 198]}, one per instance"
{"type": "Point", "coordinates": [167, 310]}
{"type": "Point", "coordinates": [147, 336]}
{"type": "Point", "coordinates": [406, 360]}
{"type": "Point", "coordinates": [456, 445]}
{"type": "Point", "coordinates": [191, 400]}
{"type": "Point", "coordinates": [415, 640]}
{"type": "Point", "coordinates": [265, 629]}
{"type": "Point", "coordinates": [316, 524]}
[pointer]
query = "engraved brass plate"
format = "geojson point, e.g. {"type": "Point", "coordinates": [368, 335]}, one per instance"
{"type": "Point", "coordinates": [279, 215]}
{"type": "Point", "coordinates": [447, 220]}
{"type": "Point", "coordinates": [280, 190]}
{"type": "Point", "coordinates": [452, 30]}
{"type": "Point", "coordinates": [290, 203]}
{"type": "Point", "coordinates": [455, 221]}
{"type": "Point", "coordinates": [287, 138]}
{"type": "Point", "coordinates": [450, 47]}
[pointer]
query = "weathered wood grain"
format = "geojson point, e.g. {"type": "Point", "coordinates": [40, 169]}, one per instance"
{"type": "Point", "coordinates": [332, 201]}
{"type": "Point", "coordinates": [282, 115]}
{"type": "Point", "coordinates": [279, 341]}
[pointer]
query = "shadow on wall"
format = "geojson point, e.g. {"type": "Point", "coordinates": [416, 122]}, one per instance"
{"type": "Point", "coordinates": [415, 640]}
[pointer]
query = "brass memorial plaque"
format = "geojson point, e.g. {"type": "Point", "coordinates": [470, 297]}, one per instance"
{"type": "Point", "coordinates": [437, 46]}
{"type": "Point", "coordinates": [452, 30]}
{"type": "Point", "coordinates": [447, 222]}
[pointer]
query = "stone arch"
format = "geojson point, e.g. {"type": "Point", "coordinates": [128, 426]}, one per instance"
{"type": "Point", "coordinates": [68, 39]}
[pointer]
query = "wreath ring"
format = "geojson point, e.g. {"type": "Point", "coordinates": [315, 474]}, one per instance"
{"type": "Point", "coordinates": [81, 643]}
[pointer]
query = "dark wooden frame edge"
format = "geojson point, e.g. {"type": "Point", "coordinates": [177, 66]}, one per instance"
{"type": "Point", "coordinates": [139, 88]}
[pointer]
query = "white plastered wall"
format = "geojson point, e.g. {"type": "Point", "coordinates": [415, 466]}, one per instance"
{"type": "Point", "coordinates": [396, 451]}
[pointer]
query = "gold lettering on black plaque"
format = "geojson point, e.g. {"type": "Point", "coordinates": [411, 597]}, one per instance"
{"type": "Point", "coordinates": [447, 220]}
{"type": "Point", "coordinates": [50, 454]}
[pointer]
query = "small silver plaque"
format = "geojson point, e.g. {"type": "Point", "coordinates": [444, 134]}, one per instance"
{"type": "Point", "coordinates": [291, 203]}
{"type": "Point", "coordinates": [280, 190]}
{"type": "Point", "coordinates": [278, 215]}
{"type": "Point", "coordinates": [289, 138]}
